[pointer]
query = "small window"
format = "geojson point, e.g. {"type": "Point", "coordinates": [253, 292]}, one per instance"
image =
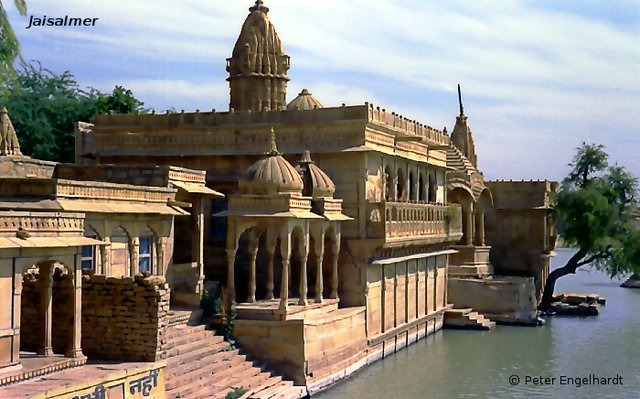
{"type": "Point", "coordinates": [87, 257]}
{"type": "Point", "coordinates": [145, 255]}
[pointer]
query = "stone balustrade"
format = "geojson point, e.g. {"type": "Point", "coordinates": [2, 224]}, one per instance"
{"type": "Point", "coordinates": [407, 220]}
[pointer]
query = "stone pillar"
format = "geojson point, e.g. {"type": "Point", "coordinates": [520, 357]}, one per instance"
{"type": "Point", "coordinates": [253, 252]}
{"type": "Point", "coordinates": [104, 256]}
{"type": "Point", "coordinates": [160, 246]}
{"type": "Point", "coordinates": [134, 252]}
{"type": "Point", "coordinates": [271, 249]}
{"type": "Point", "coordinates": [335, 252]}
{"type": "Point", "coordinates": [468, 225]}
{"type": "Point", "coordinates": [231, 285]}
{"type": "Point", "coordinates": [285, 247]}
{"type": "Point", "coordinates": [197, 241]}
{"type": "Point", "coordinates": [319, 250]}
{"type": "Point", "coordinates": [74, 348]}
{"type": "Point", "coordinates": [15, 315]}
{"type": "Point", "coordinates": [46, 310]}
{"type": "Point", "coordinates": [304, 254]}
{"type": "Point", "coordinates": [479, 214]}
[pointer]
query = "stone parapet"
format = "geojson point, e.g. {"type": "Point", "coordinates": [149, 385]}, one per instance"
{"type": "Point", "coordinates": [124, 318]}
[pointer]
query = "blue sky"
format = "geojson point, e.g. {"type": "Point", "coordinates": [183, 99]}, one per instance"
{"type": "Point", "coordinates": [539, 77]}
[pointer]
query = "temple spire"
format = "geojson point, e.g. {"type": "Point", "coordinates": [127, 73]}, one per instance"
{"type": "Point", "coordinates": [273, 149]}
{"type": "Point", "coordinates": [258, 65]}
{"type": "Point", "coordinates": [9, 144]}
{"type": "Point", "coordinates": [460, 100]}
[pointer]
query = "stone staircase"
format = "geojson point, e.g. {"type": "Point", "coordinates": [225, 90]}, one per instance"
{"type": "Point", "coordinates": [202, 365]}
{"type": "Point", "coordinates": [466, 319]}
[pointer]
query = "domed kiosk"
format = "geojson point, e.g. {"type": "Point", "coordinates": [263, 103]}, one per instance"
{"type": "Point", "coordinates": [281, 205]}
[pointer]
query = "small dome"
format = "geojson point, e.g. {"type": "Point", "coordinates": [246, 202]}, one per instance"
{"type": "Point", "coordinates": [316, 182]}
{"type": "Point", "coordinates": [304, 101]}
{"type": "Point", "coordinates": [271, 175]}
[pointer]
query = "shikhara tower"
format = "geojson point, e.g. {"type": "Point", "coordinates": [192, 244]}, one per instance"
{"type": "Point", "coordinates": [258, 66]}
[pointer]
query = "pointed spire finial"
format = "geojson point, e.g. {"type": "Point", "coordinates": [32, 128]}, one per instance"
{"type": "Point", "coordinates": [306, 158]}
{"type": "Point", "coordinates": [273, 149]}
{"type": "Point", "coordinates": [460, 100]}
{"type": "Point", "coordinates": [259, 6]}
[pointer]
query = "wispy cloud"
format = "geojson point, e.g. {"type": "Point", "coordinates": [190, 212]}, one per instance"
{"type": "Point", "coordinates": [538, 79]}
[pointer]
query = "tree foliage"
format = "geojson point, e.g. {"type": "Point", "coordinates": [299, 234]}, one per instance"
{"type": "Point", "coordinates": [595, 202]}
{"type": "Point", "coordinates": [44, 107]}
{"type": "Point", "coordinates": [9, 46]}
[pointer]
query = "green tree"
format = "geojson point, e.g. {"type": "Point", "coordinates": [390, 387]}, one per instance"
{"type": "Point", "coordinates": [44, 107]}
{"type": "Point", "coordinates": [9, 46]}
{"type": "Point", "coordinates": [595, 202]}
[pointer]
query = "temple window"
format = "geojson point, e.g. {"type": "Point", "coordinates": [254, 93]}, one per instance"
{"type": "Point", "coordinates": [145, 262]}
{"type": "Point", "coordinates": [87, 256]}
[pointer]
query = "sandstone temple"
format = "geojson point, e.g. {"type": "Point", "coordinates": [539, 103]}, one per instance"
{"type": "Point", "coordinates": [333, 235]}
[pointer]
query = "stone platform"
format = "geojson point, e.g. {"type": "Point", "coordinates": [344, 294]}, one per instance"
{"type": "Point", "coordinates": [115, 379]}
{"type": "Point", "coordinates": [270, 309]}
{"type": "Point", "coordinates": [32, 365]}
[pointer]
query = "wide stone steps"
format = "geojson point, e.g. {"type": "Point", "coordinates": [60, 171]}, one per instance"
{"type": "Point", "coordinates": [201, 365]}
{"type": "Point", "coordinates": [466, 319]}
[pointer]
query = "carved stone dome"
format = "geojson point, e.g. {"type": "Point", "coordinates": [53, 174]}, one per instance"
{"type": "Point", "coordinates": [304, 101]}
{"type": "Point", "coordinates": [316, 182]}
{"type": "Point", "coordinates": [271, 175]}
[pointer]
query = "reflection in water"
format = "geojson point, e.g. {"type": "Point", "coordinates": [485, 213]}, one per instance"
{"type": "Point", "coordinates": [478, 364]}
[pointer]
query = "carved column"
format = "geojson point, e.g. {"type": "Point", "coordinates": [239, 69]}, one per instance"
{"type": "Point", "coordinates": [197, 241]}
{"type": "Point", "coordinates": [304, 254]}
{"type": "Point", "coordinates": [319, 250]}
{"type": "Point", "coordinates": [468, 224]}
{"type": "Point", "coordinates": [253, 252]}
{"type": "Point", "coordinates": [134, 252]}
{"type": "Point", "coordinates": [74, 349]}
{"type": "Point", "coordinates": [271, 249]}
{"type": "Point", "coordinates": [45, 287]}
{"type": "Point", "coordinates": [231, 285]}
{"type": "Point", "coordinates": [335, 252]}
{"type": "Point", "coordinates": [285, 246]}
{"type": "Point", "coordinates": [160, 247]}
{"type": "Point", "coordinates": [104, 257]}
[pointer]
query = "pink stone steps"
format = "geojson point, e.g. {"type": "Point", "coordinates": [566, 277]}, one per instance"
{"type": "Point", "coordinates": [467, 319]}
{"type": "Point", "coordinates": [201, 366]}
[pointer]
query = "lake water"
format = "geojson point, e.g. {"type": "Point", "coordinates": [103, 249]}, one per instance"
{"type": "Point", "coordinates": [479, 364]}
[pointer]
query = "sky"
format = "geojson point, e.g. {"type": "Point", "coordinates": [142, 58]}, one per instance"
{"type": "Point", "coordinates": [539, 77]}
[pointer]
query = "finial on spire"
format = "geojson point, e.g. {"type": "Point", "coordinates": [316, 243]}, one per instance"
{"type": "Point", "coordinates": [259, 6]}
{"type": "Point", "coordinates": [460, 100]}
{"type": "Point", "coordinates": [273, 149]}
{"type": "Point", "coordinates": [306, 158]}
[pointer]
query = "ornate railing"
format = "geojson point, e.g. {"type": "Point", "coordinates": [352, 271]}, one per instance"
{"type": "Point", "coordinates": [394, 221]}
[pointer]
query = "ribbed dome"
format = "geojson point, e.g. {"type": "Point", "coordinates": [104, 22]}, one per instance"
{"type": "Point", "coordinates": [271, 175]}
{"type": "Point", "coordinates": [304, 101]}
{"type": "Point", "coordinates": [316, 182]}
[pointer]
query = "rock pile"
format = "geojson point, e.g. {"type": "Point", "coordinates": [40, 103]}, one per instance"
{"type": "Point", "coordinates": [571, 304]}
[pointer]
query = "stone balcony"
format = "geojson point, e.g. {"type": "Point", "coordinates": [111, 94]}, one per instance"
{"type": "Point", "coordinates": [399, 222]}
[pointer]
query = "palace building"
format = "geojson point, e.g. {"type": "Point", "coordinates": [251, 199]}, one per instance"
{"type": "Point", "coordinates": [340, 234]}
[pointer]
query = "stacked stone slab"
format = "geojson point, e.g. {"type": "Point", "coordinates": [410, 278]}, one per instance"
{"type": "Point", "coordinates": [124, 318]}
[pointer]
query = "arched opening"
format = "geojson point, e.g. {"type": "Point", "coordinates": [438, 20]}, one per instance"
{"type": "Point", "coordinates": [47, 291]}
{"type": "Point", "coordinates": [422, 192]}
{"type": "Point", "coordinates": [327, 261]}
{"type": "Point", "coordinates": [400, 187]}
{"type": "Point", "coordinates": [432, 188]}
{"type": "Point", "coordinates": [91, 259]}
{"type": "Point", "coordinates": [296, 262]}
{"type": "Point", "coordinates": [412, 188]}
{"type": "Point", "coordinates": [120, 255]}
{"type": "Point", "coordinates": [241, 265]}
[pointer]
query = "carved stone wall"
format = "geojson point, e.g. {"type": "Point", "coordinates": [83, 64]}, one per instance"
{"type": "Point", "coordinates": [124, 318]}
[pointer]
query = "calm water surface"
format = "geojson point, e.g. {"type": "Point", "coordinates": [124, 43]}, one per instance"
{"type": "Point", "coordinates": [478, 364]}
